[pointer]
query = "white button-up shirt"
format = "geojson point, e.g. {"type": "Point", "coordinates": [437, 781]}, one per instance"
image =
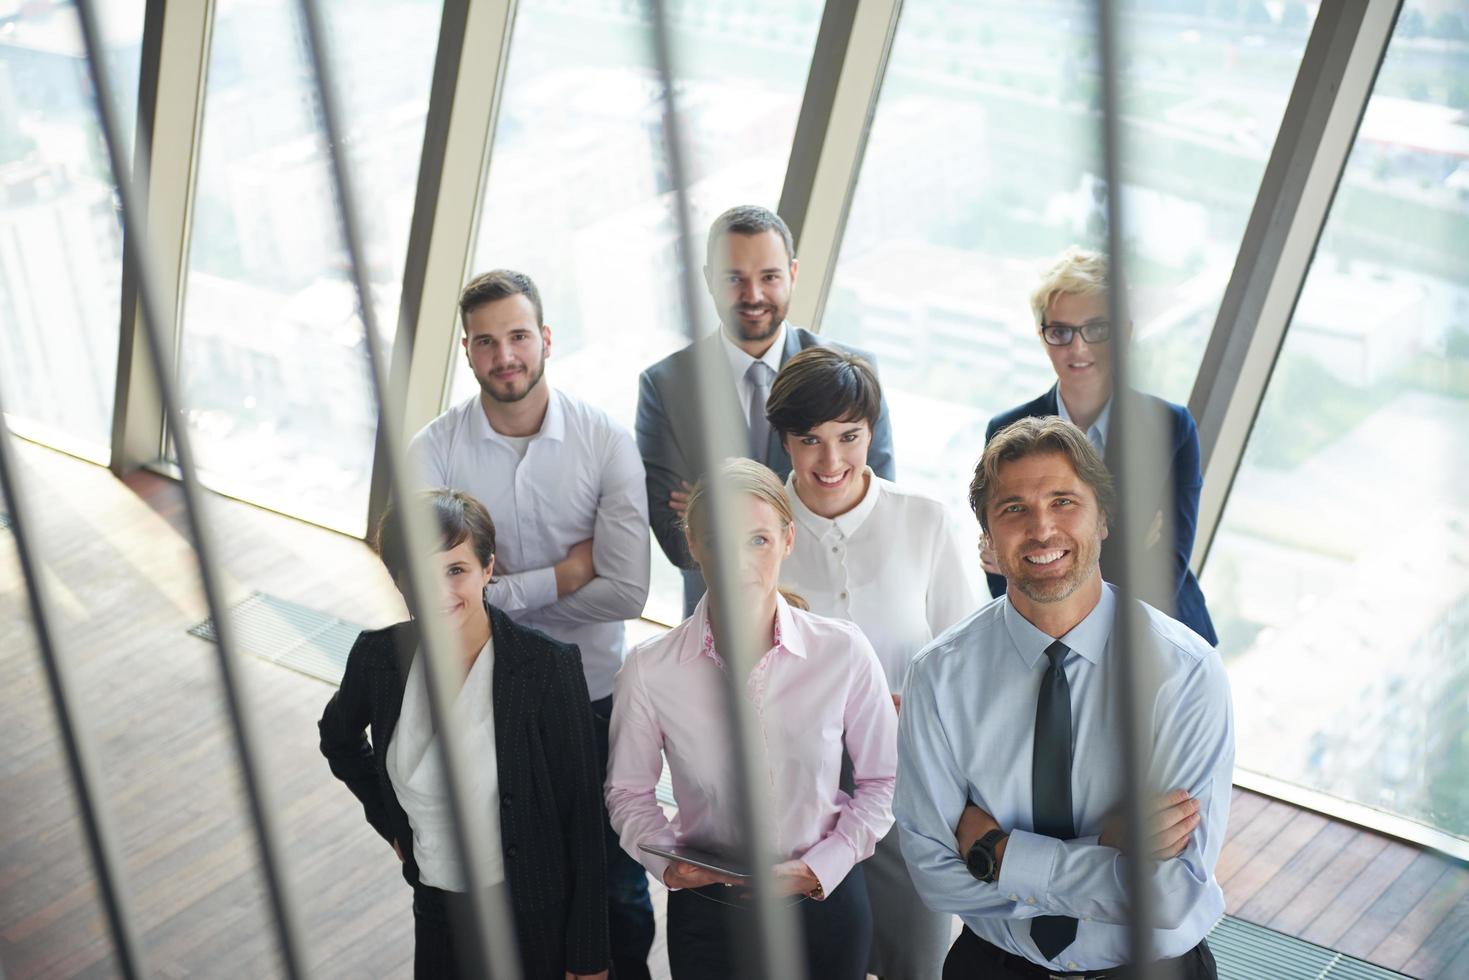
{"type": "Point", "coordinates": [581, 478]}
{"type": "Point", "coordinates": [900, 565]}
{"type": "Point", "coordinates": [416, 770]}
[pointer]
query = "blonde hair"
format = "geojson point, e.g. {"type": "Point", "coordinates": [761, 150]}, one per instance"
{"type": "Point", "coordinates": [747, 477]}
{"type": "Point", "coordinates": [1075, 272]}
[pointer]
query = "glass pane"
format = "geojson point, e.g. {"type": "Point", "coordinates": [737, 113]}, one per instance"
{"type": "Point", "coordinates": [1348, 639]}
{"type": "Point", "coordinates": [578, 189]}
{"type": "Point", "coordinates": [984, 163]}
{"type": "Point", "coordinates": [272, 358]}
{"type": "Point", "coordinates": [60, 237]}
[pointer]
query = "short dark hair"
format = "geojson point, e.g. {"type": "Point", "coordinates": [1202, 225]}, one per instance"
{"type": "Point", "coordinates": [497, 284]}
{"type": "Point", "coordinates": [1036, 437]}
{"type": "Point", "coordinates": [748, 219]}
{"type": "Point", "coordinates": [822, 384]}
{"type": "Point", "coordinates": [459, 518]}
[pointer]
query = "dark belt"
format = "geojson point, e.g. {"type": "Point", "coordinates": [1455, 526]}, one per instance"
{"type": "Point", "coordinates": [1026, 968]}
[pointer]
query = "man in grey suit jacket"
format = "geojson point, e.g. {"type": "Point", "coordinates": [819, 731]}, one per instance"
{"type": "Point", "coordinates": [751, 270]}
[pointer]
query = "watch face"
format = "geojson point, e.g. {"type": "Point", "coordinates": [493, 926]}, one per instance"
{"type": "Point", "coordinates": [981, 862]}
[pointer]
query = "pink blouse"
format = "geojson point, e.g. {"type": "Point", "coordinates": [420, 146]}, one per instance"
{"type": "Point", "coordinates": [818, 689]}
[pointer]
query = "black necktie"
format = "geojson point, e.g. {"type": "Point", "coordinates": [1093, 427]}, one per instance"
{"type": "Point", "coordinates": [1050, 776]}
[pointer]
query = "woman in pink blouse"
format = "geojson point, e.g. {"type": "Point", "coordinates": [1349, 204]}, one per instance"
{"type": "Point", "coordinates": [818, 689]}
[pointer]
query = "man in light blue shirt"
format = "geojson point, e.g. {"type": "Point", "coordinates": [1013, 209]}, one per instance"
{"type": "Point", "coordinates": [1009, 761]}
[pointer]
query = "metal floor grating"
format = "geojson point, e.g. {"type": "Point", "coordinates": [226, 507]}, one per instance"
{"type": "Point", "coordinates": [290, 635]}
{"type": "Point", "coordinates": [1245, 951]}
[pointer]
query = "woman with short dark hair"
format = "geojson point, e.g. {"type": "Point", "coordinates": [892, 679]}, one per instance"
{"type": "Point", "coordinates": [529, 733]}
{"type": "Point", "coordinates": [898, 563]}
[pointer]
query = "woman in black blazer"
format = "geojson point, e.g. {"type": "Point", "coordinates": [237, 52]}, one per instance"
{"type": "Point", "coordinates": [548, 790]}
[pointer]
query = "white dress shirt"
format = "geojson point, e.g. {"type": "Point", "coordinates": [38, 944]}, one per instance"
{"type": "Point", "coordinates": [739, 362]}
{"type": "Point", "coordinates": [817, 691]}
{"type": "Point", "coordinates": [967, 732]}
{"type": "Point", "coordinates": [1097, 434]}
{"type": "Point", "coordinates": [416, 770]}
{"type": "Point", "coordinates": [900, 565]}
{"type": "Point", "coordinates": [581, 477]}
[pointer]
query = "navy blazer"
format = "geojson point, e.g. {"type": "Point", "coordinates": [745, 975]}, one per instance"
{"type": "Point", "coordinates": [1174, 422]}
{"type": "Point", "coordinates": [550, 782]}
{"type": "Point", "coordinates": [671, 443]}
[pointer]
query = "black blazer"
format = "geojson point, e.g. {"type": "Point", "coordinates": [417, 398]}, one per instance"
{"type": "Point", "coordinates": [550, 784]}
{"type": "Point", "coordinates": [1176, 496]}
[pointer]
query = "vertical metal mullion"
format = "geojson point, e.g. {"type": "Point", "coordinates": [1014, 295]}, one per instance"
{"type": "Point", "coordinates": [1317, 130]}
{"type": "Point", "coordinates": [833, 37]}
{"type": "Point", "coordinates": [776, 943]}
{"type": "Point", "coordinates": [149, 68]}
{"type": "Point", "coordinates": [448, 61]}
{"type": "Point", "coordinates": [1135, 460]}
{"type": "Point", "coordinates": [95, 822]}
{"type": "Point", "coordinates": [140, 260]}
{"type": "Point", "coordinates": [837, 110]}
{"type": "Point", "coordinates": [493, 947]}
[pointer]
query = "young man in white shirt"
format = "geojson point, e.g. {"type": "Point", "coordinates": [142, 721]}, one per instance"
{"type": "Point", "coordinates": [565, 486]}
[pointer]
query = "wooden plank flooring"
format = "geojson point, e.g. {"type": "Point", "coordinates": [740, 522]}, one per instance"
{"type": "Point", "coordinates": [123, 578]}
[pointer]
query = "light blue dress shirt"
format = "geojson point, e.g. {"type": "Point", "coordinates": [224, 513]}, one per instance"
{"type": "Point", "coordinates": [1097, 434]}
{"type": "Point", "coordinates": [966, 732]}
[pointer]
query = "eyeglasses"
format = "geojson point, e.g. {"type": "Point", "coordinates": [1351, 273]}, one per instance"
{"type": "Point", "coordinates": [1060, 334]}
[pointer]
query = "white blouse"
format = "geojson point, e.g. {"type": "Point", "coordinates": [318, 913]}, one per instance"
{"type": "Point", "coordinates": [901, 565]}
{"type": "Point", "coordinates": [416, 770]}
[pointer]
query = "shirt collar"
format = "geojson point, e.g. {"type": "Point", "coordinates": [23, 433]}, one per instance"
{"type": "Point", "coordinates": [847, 523]}
{"type": "Point", "coordinates": [1088, 638]}
{"type": "Point", "coordinates": [553, 426]}
{"type": "Point", "coordinates": [787, 637]}
{"type": "Point", "coordinates": [740, 361]}
{"type": "Point", "coordinates": [1098, 432]}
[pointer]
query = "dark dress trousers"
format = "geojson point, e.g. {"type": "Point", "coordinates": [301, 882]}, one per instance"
{"type": "Point", "coordinates": [672, 445]}
{"type": "Point", "coordinates": [550, 791]}
{"type": "Point", "coordinates": [1175, 495]}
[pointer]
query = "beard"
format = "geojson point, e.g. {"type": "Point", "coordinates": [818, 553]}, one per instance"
{"type": "Point", "coordinates": [509, 394]}
{"type": "Point", "coordinates": [1085, 556]}
{"type": "Point", "coordinates": [738, 330]}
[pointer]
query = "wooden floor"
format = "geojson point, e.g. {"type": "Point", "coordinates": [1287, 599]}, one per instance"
{"type": "Point", "coordinates": [123, 580]}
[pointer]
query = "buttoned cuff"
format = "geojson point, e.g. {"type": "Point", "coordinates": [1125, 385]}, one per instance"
{"type": "Point", "coordinates": [830, 860]}
{"type": "Point", "coordinates": [1025, 873]}
{"type": "Point", "coordinates": [655, 864]}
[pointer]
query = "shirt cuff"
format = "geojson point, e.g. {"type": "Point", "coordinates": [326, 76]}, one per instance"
{"type": "Point", "coordinates": [830, 860]}
{"type": "Point", "coordinates": [1025, 873]}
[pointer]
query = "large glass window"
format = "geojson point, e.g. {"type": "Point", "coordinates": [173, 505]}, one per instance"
{"type": "Point", "coordinates": [60, 238]}
{"type": "Point", "coordinates": [578, 192]}
{"type": "Point", "coordinates": [984, 162]}
{"type": "Point", "coordinates": [1346, 631]}
{"type": "Point", "coordinates": [272, 358]}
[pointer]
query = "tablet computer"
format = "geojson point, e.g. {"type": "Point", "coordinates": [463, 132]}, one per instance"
{"type": "Point", "coordinates": [699, 859]}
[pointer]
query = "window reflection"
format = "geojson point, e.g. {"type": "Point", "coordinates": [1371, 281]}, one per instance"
{"type": "Point", "coordinates": [579, 194]}
{"type": "Point", "coordinates": [272, 357]}
{"type": "Point", "coordinates": [1345, 631]}
{"type": "Point", "coordinates": [60, 237]}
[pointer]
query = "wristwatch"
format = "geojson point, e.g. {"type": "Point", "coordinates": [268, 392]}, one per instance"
{"type": "Point", "coordinates": [981, 859]}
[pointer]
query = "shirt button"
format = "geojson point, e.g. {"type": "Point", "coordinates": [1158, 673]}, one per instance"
{"type": "Point", "coordinates": [835, 549]}
{"type": "Point", "coordinates": [510, 851]}
{"type": "Point", "coordinates": [844, 595]}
